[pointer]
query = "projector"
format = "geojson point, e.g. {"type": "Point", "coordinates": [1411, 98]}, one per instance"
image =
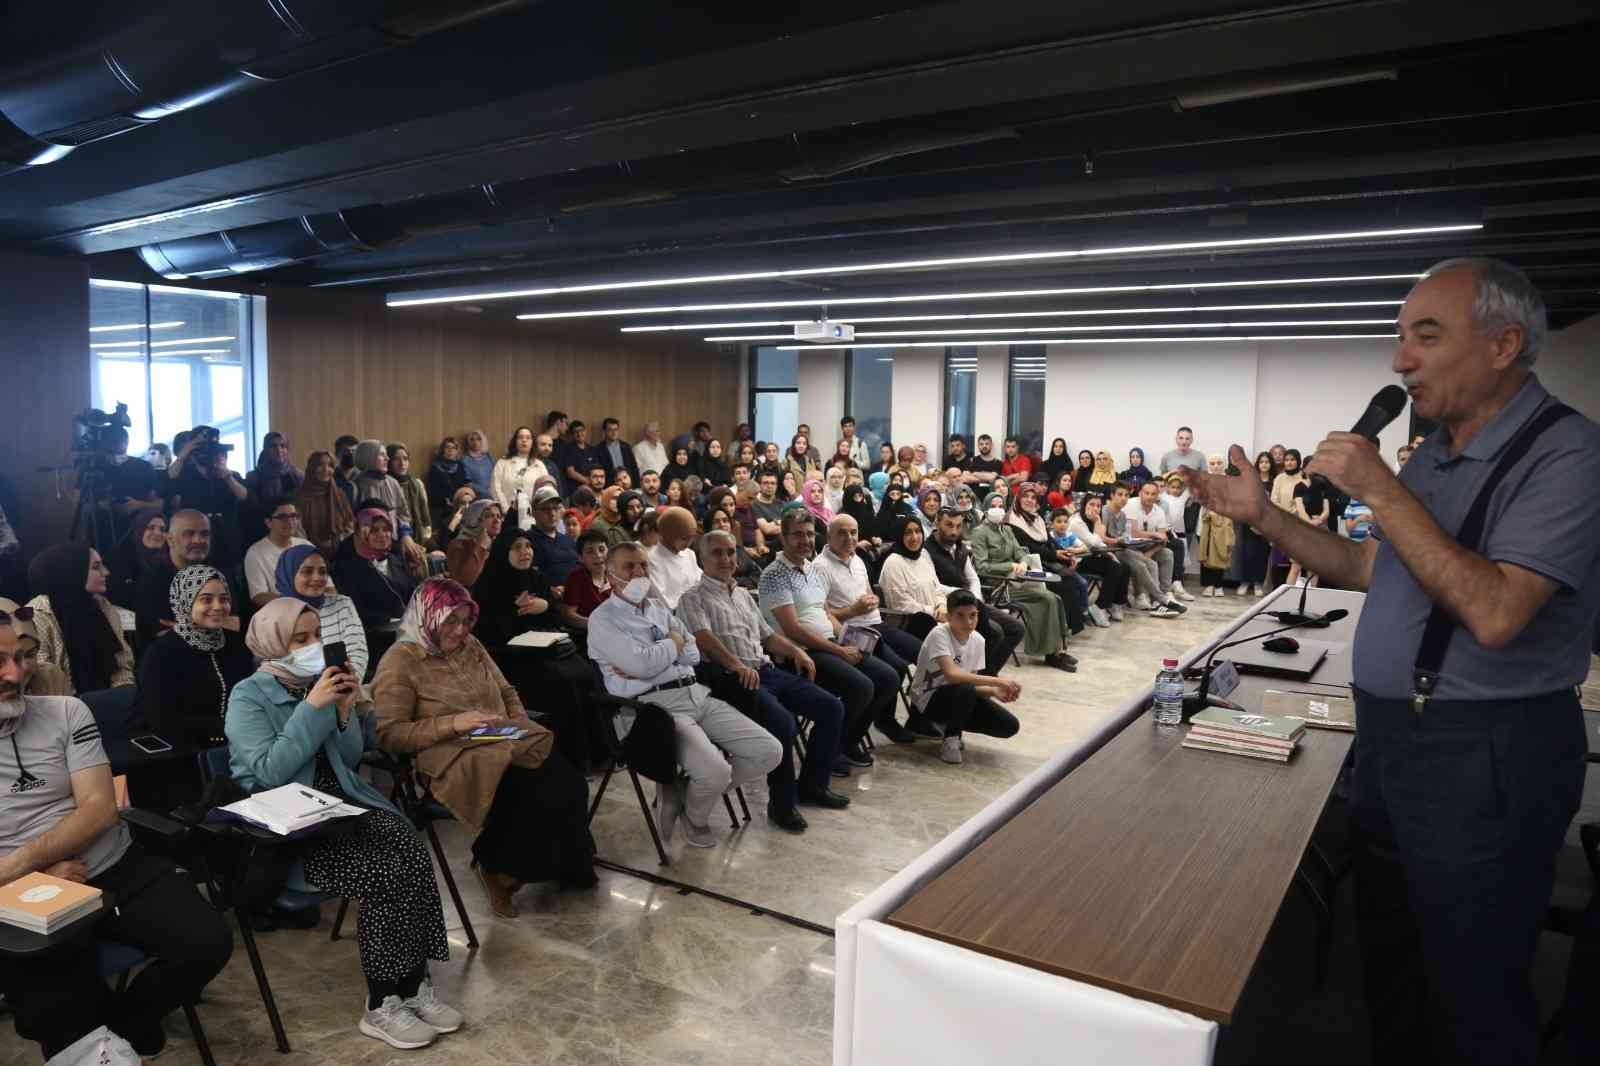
{"type": "Point", "coordinates": [824, 330]}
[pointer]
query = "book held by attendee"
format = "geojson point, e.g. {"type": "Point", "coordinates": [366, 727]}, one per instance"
{"type": "Point", "coordinates": [43, 904]}
{"type": "Point", "coordinates": [290, 808]}
{"type": "Point", "coordinates": [538, 638]}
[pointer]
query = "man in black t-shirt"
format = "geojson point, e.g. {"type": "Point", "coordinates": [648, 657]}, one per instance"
{"type": "Point", "coordinates": [983, 469]}
{"type": "Point", "coordinates": [955, 456]}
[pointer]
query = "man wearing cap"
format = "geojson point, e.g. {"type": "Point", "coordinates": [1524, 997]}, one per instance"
{"type": "Point", "coordinates": [1482, 573]}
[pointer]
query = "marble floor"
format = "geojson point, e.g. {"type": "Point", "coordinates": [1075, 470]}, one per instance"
{"type": "Point", "coordinates": [637, 973]}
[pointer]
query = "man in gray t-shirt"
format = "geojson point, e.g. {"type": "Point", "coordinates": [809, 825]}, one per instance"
{"type": "Point", "coordinates": [58, 816]}
{"type": "Point", "coordinates": [1185, 454]}
{"type": "Point", "coordinates": [1468, 769]}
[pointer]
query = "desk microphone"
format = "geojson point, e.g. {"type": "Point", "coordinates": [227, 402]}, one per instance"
{"type": "Point", "coordinates": [1384, 408]}
{"type": "Point", "coordinates": [1197, 702]}
{"type": "Point", "coordinates": [1298, 616]}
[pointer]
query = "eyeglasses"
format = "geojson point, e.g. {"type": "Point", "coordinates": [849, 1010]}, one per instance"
{"type": "Point", "coordinates": [290, 517]}
{"type": "Point", "coordinates": [21, 614]}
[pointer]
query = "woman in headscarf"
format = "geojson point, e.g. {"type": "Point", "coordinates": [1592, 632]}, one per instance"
{"type": "Point", "coordinates": [145, 546]}
{"type": "Point", "coordinates": [1137, 473]}
{"type": "Point", "coordinates": [815, 498]}
{"type": "Point", "coordinates": [996, 556]}
{"type": "Point", "coordinates": [326, 516]}
{"type": "Point", "coordinates": [608, 518]}
{"type": "Point", "coordinates": [445, 476]}
{"type": "Point", "coordinates": [302, 574]}
{"type": "Point", "coordinates": [714, 468]}
{"type": "Point", "coordinates": [469, 549]}
{"type": "Point", "coordinates": [930, 501]}
{"type": "Point", "coordinates": [527, 803]}
{"type": "Point", "coordinates": [913, 599]}
{"type": "Point", "coordinates": [857, 506]}
{"type": "Point", "coordinates": [274, 475]}
{"type": "Point", "coordinates": [370, 569]}
{"type": "Point", "coordinates": [894, 508]}
{"type": "Point", "coordinates": [1055, 464]}
{"type": "Point", "coordinates": [79, 630]}
{"type": "Point", "coordinates": [681, 468]}
{"type": "Point", "coordinates": [964, 503]}
{"type": "Point", "coordinates": [464, 498]}
{"type": "Point", "coordinates": [415, 493]}
{"type": "Point", "coordinates": [1105, 473]}
{"type": "Point", "coordinates": [46, 679]}
{"type": "Point", "coordinates": [797, 459]}
{"type": "Point", "coordinates": [293, 722]}
{"type": "Point", "coordinates": [479, 464]}
{"type": "Point", "coordinates": [1084, 471]}
{"type": "Point", "coordinates": [630, 508]}
{"type": "Point", "coordinates": [1027, 525]}
{"type": "Point", "coordinates": [833, 483]}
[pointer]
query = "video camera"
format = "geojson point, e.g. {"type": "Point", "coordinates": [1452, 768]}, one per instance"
{"type": "Point", "coordinates": [92, 432]}
{"type": "Point", "coordinates": [205, 453]}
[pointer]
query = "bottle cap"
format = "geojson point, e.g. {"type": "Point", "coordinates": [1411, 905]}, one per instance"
{"type": "Point", "coordinates": [1169, 664]}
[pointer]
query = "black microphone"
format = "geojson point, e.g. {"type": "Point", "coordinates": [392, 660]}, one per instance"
{"type": "Point", "coordinates": [1298, 616]}
{"type": "Point", "coordinates": [1384, 408]}
{"type": "Point", "coordinates": [1197, 702]}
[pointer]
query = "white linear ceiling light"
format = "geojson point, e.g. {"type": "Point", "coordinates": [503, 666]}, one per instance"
{"type": "Point", "coordinates": [134, 325]}
{"type": "Point", "coordinates": [1003, 294]}
{"type": "Point", "coordinates": [190, 340]}
{"type": "Point", "coordinates": [1057, 255]}
{"type": "Point", "coordinates": [1080, 329]}
{"type": "Point", "coordinates": [1099, 340]}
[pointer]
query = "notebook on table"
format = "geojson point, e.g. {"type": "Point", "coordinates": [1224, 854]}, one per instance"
{"type": "Point", "coordinates": [1314, 709]}
{"type": "Point", "coordinates": [43, 904]}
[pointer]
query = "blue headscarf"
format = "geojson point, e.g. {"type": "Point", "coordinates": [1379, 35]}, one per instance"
{"type": "Point", "coordinates": [289, 564]}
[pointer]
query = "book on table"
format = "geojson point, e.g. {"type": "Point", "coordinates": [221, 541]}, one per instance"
{"type": "Point", "coordinates": [290, 808]}
{"type": "Point", "coordinates": [1314, 709]}
{"type": "Point", "coordinates": [1264, 736]}
{"type": "Point", "coordinates": [41, 903]}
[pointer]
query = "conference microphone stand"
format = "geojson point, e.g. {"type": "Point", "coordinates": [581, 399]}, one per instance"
{"type": "Point", "coordinates": [1197, 702]}
{"type": "Point", "coordinates": [1298, 616]}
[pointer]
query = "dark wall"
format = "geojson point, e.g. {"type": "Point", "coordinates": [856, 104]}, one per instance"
{"type": "Point", "coordinates": [44, 362]}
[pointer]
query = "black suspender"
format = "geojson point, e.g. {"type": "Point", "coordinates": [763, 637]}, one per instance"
{"type": "Point", "coordinates": [1441, 623]}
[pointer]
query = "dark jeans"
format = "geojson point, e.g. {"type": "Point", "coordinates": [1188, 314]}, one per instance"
{"type": "Point", "coordinates": [784, 697]}
{"type": "Point", "coordinates": [59, 998]}
{"type": "Point", "coordinates": [1002, 632]}
{"type": "Point", "coordinates": [1113, 578]}
{"type": "Point", "coordinates": [867, 690]}
{"type": "Point", "coordinates": [898, 648]}
{"type": "Point", "coordinates": [1458, 815]}
{"type": "Point", "coordinates": [961, 709]}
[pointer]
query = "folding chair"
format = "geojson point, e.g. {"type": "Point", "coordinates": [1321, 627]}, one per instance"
{"type": "Point", "coordinates": [609, 706]}
{"type": "Point", "coordinates": [120, 960]}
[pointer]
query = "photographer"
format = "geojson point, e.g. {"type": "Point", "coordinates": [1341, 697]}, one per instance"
{"type": "Point", "coordinates": [131, 482]}
{"type": "Point", "coordinates": [199, 480]}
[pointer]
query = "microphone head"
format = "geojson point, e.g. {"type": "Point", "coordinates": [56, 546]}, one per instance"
{"type": "Point", "coordinates": [1392, 400]}
{"type": "Point", "coordinates": [1336, 614]}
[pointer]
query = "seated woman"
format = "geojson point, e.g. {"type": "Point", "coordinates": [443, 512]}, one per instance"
{"type": "Point", "coordinates": [480, 524]}
{"type": "Point", "coordinates": [44, 679]}
{"type": "Point", "coordinates": [912, 597]}
{"type": "Point", "coordinates": [371, 570]}
{"type": "Point", "coordinates": [681, 468]}
{"type": "Point", "coordinates": [857, 505]}
{"type": "Point", "coordinates": [528, 804]}
{"type": "Point", "coordinates": [630, 508]}
{"type": "Point", "coordinates": [449, 524]}
{"type": "Point", "coordinates": [1033, 537]}
{"type": "Point", "coordinates": [292, 722]}
{"type": "Point", "coordinates": [144, 547]}
{"type": "Point", "coordinates": [609, 517]}
{"type": "Point", "coordinates": [930, 501]}
{"type": "Point", "coordinates": [326, 516]}
{"type": "Point", "coordinates": [713, 466]}
{"type": "Point", "coordinates": [302, 574]}
{"type": "Point", "coordinates": [1102, 562]}
{"type": "Point", "coordinates": [515, 598]}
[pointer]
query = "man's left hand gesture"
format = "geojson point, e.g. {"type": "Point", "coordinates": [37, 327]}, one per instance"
{"type": "Point", "coordinates": [1353, 464]}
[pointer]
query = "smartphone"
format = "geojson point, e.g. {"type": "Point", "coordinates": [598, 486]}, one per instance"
{"type": "Point", "coordinates": [334, 653]}
{"type": "Point", "coordinates": [150, 744]}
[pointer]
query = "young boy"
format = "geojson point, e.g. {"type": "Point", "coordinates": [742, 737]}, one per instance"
{"type": "Point", "coordinates": [586, 587]}
{"type": "Point", "coordinates": [1069, 549]}
{"type": "Point", "coordinates": [947, 691]}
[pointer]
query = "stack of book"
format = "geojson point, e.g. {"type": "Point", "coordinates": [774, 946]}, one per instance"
{"type": "Point", "coordinates": [1257, 736]}
{"type": "Point", "coordinates": [291, 808]}
{"type": "Point", "coordinates": [43, 904]}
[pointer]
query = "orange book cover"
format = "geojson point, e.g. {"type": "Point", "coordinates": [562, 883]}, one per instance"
{"type": "Point", "coordinates": [40, 897]}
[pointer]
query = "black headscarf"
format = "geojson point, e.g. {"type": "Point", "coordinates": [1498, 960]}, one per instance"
{"type": "Point", "coordinates": [892, 511]}
{"type": "Point", "coordinates": [622, 510]}
{"type": "Point", "coordinates": [897, 545]}
{"type": "Point", "coordinates": [1054, 465]}
{"type": "Point", "coordinates": [855, 504]}
{"type": "Point", "coordinates": [498, 587]}
{"type": "Point", "coordinates": [60, 573]}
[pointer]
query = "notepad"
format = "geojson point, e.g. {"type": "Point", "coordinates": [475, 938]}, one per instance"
{"type": "Point", "coordinates": [538, 638]}
{"type": "Point", "coordinates": [44, 904]}
{"type": "Point", "coordinates": [290, 808]}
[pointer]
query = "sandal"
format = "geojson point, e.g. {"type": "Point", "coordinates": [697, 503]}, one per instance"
{"type": "Point", "coordinates": [498, 892]}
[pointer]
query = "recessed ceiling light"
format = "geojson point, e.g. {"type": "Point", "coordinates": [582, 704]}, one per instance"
{"type": "Point", "coordinates": [1108, 326]}
{"type": "Point", "coordinates": [1004, 294]}
{"type": "Point", "coordinates": [190, 340]}
{"type": "Point", "coordinates": [1105, 340]}
{"type": "Point", "coordinates": [946, 262]}
{"type": "Point", "coordinates": [135, 325]}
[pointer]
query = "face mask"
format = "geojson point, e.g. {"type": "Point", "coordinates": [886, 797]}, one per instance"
{"type": "Point", "coordinates": [637, 590]}
{"type": "Point", "coordinates": [996, 515]}
{"type": "Point", "coordinates": [306, 661]}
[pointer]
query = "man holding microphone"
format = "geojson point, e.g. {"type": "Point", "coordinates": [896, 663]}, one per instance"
{"type": "Point", "coordinates": [1482, 576]}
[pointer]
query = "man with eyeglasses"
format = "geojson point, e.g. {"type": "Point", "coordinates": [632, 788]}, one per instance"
{"type": "Point", "coordinates": [188, 542]}
{"type": "Point", "coordinates": [261, 561]}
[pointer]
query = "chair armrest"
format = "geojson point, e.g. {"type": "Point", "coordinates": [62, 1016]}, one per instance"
{"type": "Point", "coordinates": [386, 761]}
{"type": "Point", "coordinates": [152, 822]}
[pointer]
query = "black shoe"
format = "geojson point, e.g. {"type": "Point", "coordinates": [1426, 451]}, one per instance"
{"type": "Point", "coordinates": [825, 797]}
{"type": "Point", "coordinates": [147, 1038]}
{"type": "Point", "coordinates": [841, 768]}
{"type": "Point", "coordinates": [894, 730]}
{"type": "Point", "coordinates": [296, 917]}
{"type": "Point", "coordinates": [858, 755]}
{"type": "Point", "coordinates": [1073, 659]}
{"type": "Point", "coordinates": [1061, 662]}
{"type": "Point", "coordinates": [789, 819]}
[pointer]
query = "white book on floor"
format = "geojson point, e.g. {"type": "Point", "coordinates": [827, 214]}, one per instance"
{"type": "Point", "coordinates": [289, 808]}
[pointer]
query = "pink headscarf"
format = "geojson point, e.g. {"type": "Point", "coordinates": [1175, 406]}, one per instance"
{"type": "Point", "coordinates": [430, 605]}
{"type": "Point", "coordinates": [821, 512]}
{"type": "Point", "coordinates": [364, 520]}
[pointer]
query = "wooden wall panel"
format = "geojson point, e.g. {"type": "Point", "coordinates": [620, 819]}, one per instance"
{"type": "Point", "coordinates": [415, 375]}
{"type": "Point", "coordinates": [44, 353]}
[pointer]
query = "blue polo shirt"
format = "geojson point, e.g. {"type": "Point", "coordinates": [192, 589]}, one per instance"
{"type": "Point", "coordinates": [1543, 517]}
{"type": "Point", "coordinates": [556, 556]}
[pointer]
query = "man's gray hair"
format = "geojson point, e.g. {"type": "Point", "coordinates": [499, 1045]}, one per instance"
{"type": "Point", "coordinates": [1502, 296]}
{"type": "Point", "coordinates": [627, 547]}
{"type": "Point", "coordinates": [716, 534]}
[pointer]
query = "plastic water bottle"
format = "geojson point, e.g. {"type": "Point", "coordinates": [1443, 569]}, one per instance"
{"type": "Point", "coordinates": [1167, 709]}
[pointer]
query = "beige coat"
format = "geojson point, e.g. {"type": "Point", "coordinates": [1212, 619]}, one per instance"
{"type": "Point", "coordinates": [53, 643]}
{"type": "Point", "coordinates": [1216, 540]}
{"type": "Point", "coordinates": [415, 694]}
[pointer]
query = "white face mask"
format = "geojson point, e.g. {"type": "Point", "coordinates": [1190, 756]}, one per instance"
{"type": "Point", "coordinates": [996, 514]}
{"type": "Point", "coordinates": [306, 661]}
{"type": "Point", "coordinates": [637, 590]}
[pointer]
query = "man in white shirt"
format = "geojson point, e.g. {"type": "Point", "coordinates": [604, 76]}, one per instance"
{"type": "Point", "coordinates": [1150, 567]}
{"type": "Point", "coordinates": [261, 561]}
{"type": "Point", "coordinates": [853, 605]}
{"type": "Point", "coordinates": [858, 447]}
{"type": "Point", "coordinates": [1147, 519]}
{"type": "Point", "coordinates": [644, 654]}
{"type": "Point", "coordinates": [650, 453]}
{"type": "Point", "coordinates": [673, 566]}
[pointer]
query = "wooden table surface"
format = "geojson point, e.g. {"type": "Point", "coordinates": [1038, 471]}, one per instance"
{"type": "Point", "coordinates": [1151, 869]}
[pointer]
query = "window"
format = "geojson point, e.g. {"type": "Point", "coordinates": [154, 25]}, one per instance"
{"type": "Point", "coordinates": [869, 386]}
{"type": "Point", "coordinates": [774, 395]}
{"type": "Point", "coordinates": [1025, 397]}
{"type": "Point", "coordinates": [178, 358]}
{"type": "Point", "coordinates": [960, 393]}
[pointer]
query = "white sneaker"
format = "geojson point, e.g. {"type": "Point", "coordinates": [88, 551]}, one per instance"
{"type": "Point", "coordinates": [669, 808]}
{"type": "Point", "coordinates": [1116, 612]}
{"type": "Point", "coordinates": [950, 750]}
{"type": "Point", "coordinates": [394, 1024]}
{"type": "Point", "coordinates": [1179, 591]}
{"type": "Point", "coordinates": [1098, 616]}
{"type": "Point", "coordinates": [432, 1010]}
{"type": "Point", "coordinates": [698, 836]}
{"type": "Point", "coordinates": [1140, 602]}
{"type": "Point", "coordinates": [1242, 590]}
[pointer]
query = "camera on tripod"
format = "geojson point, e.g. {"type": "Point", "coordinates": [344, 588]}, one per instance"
{"type": "Point", "coordinates": [91, 432]}
{"type": "Point", "coordinates": [96, 438]}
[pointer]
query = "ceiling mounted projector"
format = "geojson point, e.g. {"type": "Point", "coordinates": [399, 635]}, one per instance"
{"type": "Point", "coordinates": [824, 330]}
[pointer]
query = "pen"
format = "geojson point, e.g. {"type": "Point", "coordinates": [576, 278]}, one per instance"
{"type": "Point", "coordinates": [314, 799]}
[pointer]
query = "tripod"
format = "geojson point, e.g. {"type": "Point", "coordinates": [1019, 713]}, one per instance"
{"type": "Point", "coordinates": [90, 516]}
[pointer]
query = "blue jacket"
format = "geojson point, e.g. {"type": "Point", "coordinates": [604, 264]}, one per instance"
{"type": "Point", "coordinates": [273, 740]}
